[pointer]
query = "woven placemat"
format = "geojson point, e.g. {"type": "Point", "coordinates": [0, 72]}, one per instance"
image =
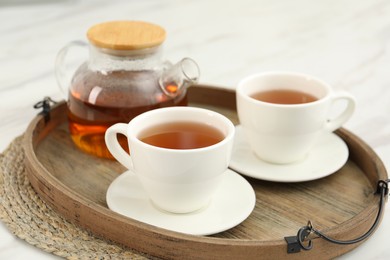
{"type": "Point", "coordinates": [31, 219]}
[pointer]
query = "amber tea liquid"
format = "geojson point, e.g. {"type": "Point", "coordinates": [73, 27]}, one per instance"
{"type": "Point", "coordinates": [284, 96]}
{"type": "Point", "coordinates": [92, 108]}
{"type": "Point", "coordinates": [181, 135]}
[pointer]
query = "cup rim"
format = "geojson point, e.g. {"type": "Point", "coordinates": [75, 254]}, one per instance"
{"type": "Point", "coordinates": [240, 90]}
{"type": "Point", "coordinates": [133, 137]}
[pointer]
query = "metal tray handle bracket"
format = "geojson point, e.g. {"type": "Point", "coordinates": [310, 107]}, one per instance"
{"type": "Point", "coordinates": [303, 239]}
{"type": "Point", "coordinates": [46, 107]}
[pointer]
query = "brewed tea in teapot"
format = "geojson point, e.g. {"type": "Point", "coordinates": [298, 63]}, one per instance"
{"type": "Point", "coordinates": [124, 77]}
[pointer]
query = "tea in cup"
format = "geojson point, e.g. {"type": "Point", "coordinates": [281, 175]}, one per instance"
{"type": "Point", "coordinates": [283, 114]}
{"type": "Point", "coordinates": [179, 154]}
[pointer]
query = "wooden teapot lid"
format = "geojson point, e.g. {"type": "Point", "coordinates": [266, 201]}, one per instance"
{"type": "Point", "coordinates": [126, 35]}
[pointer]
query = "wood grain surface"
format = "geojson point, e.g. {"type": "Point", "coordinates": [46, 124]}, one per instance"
{"type": "Point", "coordinates": [342, 205]}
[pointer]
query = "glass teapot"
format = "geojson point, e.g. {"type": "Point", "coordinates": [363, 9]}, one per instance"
{"type": "Point", "coordinates": [123, 77]}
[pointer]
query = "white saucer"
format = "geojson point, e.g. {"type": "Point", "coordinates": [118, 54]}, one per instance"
{"type": "Point", "coordinates": [327, 156]}
{"type": "Point", "coordinates": [232, 203]}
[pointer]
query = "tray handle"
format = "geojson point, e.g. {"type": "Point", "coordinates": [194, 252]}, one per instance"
{"type": "Point", "coordinates": [303, 239]}
{"type": "Point", "coordinates": [46, 107]}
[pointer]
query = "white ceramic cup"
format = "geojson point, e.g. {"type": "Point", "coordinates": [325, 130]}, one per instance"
{"type": "Point", "coordinates": [285, 133]}
{"type": "Point", "coordinates": [176, 180]}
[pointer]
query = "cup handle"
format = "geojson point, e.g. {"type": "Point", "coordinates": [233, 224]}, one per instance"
{"type": "Point", "coordinates": [338, 121]}
{"type": "Point", "coordinates": [115, 148]}
{"type": "Point", "coordinates": [59, 69]}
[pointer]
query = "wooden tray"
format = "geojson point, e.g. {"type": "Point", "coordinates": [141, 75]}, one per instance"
{"type": "Point", "coordinates": [342, 205]}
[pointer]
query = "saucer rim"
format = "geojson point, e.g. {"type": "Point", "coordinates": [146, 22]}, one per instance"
{"type": "Point", "coordinates": [235, 165]}
{"type": "Point", "coordinates": [239, 216]}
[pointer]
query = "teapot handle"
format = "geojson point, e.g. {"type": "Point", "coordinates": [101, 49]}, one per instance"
{"type": "Point", "coordinates": [60, 71]}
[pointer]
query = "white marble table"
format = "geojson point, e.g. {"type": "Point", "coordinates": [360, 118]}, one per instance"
{"type": "Point", "coordinates": [344, 42]}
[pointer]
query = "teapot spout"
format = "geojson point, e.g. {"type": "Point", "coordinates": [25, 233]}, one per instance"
{"type": "Point", "coordinates": [179, 77]}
